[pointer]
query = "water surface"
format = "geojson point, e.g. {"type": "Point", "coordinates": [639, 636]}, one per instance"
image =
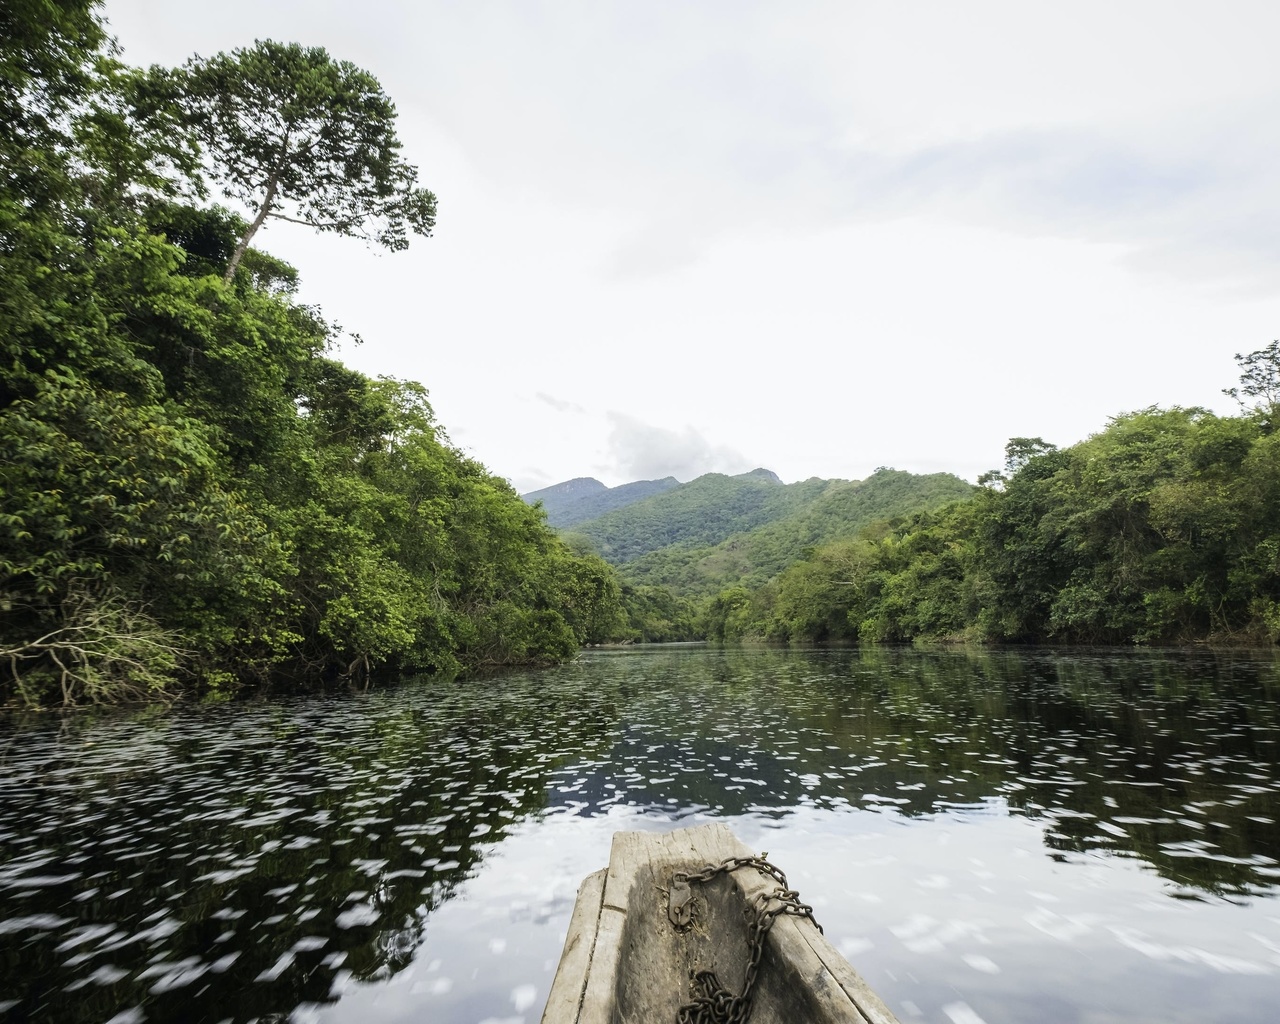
{"type": "Point", "coordinates": [988, 836]}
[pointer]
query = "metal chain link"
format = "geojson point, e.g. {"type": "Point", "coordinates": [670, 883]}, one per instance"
{"type": "Point", "coordinates": [712, 1002]}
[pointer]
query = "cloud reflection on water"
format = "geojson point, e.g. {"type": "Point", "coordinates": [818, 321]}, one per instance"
{"type": "Point", "coordinates": [998, 831]}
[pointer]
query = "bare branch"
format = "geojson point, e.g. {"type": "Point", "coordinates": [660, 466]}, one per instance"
{"type": "Point", "coordinates": [107, 649]}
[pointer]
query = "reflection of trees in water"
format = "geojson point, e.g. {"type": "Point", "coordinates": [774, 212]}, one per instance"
{"type": "Point", "coordinates": [244, 860]}
{"type": "Point", "coordinates": [1169, 756]}
{"type": "Point", "coordinates": [258, 866]}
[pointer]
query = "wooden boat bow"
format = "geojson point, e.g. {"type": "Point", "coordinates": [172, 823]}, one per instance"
{"type": "Point", "coordinates": [639, 947]}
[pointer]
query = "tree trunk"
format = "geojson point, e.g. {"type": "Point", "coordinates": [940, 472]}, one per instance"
{"type": "Point", "coordinates": [252, 229]}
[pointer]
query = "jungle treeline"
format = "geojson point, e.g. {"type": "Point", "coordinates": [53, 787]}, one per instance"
{"type": "Point", "coordinates": [1162, 528]}
{"type": "Point", "coordinates": [197, 495]}
{"type": "Point", "coordinates": [676, 546]}
{"type": "Point", "coordinates": [194, 492]}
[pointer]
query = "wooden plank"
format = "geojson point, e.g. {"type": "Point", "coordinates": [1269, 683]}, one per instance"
{"type": "Point", "coordinates": [792, 956]}
{"type": "Point", "coordinates": [712, 844]}
{"type": "Point", "coordinates": [629, 852]}
{"type": "Point", "coordinates": [600, 993]}
{"type": "Point", "coordinates": [579, 947]}
{"type": "Point", "coordinates": [870, 1005]}
{"type": "Point", "coordinates": [798, 943]}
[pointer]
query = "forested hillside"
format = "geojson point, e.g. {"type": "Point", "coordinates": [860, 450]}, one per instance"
{"type": "Point", "coordinates": [193, 490]}
{"type": "Point", "coordinates": [1162, 528]}
{"type": "Point", "coordinates": [838, 511]}
{"type": "Point", "coordinates": [678, 549]}
{"type": "Point", "coordinates": [576, 501]}
{"type": "Point", "coordinates": [704, 511]}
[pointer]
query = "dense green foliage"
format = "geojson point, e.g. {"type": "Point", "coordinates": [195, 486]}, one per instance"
{"type": "Point", "coordinates": [655, 615]}
{"type": "Point", "coordinates": [676, 550]}
{"type": "Point", "coordinates": [702, 512]}
{"type": "Point", "coordinates": [191, 488]}
{"type": "Point", "coordinates": [837, 511]}
{"type": "Point", "coordinates": [296, 135]}
{"type": "Point", "coordinates": [1164, 527]}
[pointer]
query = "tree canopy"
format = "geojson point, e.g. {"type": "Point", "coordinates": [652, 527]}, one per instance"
{"type": "Point", "coordinates": [298, 136]}
{"type": "Point", "coordinates": [1259, 379]}
{"type": "Point", "coordinates": [194, 494]}
{"type": "Point", "coordinates": [1162, 528]}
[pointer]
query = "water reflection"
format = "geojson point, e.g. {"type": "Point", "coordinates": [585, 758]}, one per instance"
{"type": "Point", "coordinates": [374, 856]}
{"type": "Point", "coordinates": [255, 857]}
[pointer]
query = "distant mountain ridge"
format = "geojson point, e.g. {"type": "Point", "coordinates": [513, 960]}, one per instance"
{"type": "Point", "coordinates": [704, 511]}
{"type": "Point", "coordinates": [834, 512]}
{"type": "Point", "coordinates": [717, 531]}
{"type": "Point", "coordinates": [584, 497]}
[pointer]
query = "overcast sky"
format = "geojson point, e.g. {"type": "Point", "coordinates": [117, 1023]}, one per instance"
{"type": "Point", "coordinates": [677, 237]}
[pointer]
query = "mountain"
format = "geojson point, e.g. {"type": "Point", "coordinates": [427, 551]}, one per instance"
{"type": "Point", "coordinates": [702, 512]}
{"type": "Point", "coordinates": [695, 539]}
{"type": "Point", "coordinates": [585, 497]}
{"type": "Point", "coordinates": [838, 510]}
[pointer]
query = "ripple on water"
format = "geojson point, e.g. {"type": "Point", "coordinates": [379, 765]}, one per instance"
{"type": "Point", "coordinates": [279, 856]}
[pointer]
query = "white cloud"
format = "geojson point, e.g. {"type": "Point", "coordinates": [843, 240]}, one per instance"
{"type": "Point", "coordinates": [558, 404]}
{"type": "Point", "coordinates": [641, 451]}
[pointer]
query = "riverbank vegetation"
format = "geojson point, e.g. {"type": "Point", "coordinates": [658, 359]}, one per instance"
{"type": "Point", "coordinates": [194, 492]}
{"type": "Point", "coordinates": [1162, 528]}
{"type": "Point", "coordinates": [677, 547]}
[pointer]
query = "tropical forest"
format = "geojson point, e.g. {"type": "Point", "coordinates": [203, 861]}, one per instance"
{"type": "Point", "coordinates": [195, 495]}
{"type": "Point", "coordinates": [1162, 528]}
{"type": "Point", "coordinates": [321, 703]}
{"type": "Point", "coordinates": [198, 495]}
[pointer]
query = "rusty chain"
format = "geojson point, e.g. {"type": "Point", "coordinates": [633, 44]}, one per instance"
{"type": "Point", "coordinates": [712, 1002]}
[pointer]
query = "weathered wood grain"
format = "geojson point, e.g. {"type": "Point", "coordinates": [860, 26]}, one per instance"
{"type": "Point", "coordinates": [579, 944]}
{"type": "Point", "coordinates": [624, 962]}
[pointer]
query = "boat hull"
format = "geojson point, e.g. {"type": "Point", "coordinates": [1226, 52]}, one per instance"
{"type": "Point", "coordinates": [625, 962]}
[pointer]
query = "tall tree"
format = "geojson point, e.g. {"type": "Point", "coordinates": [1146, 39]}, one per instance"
{"type": "Point", "coordinates": [300, 137]}
{"type": "Point", "coordinates": [191, 490]}
{"type": "Point", "coordinates": [1259, 379]}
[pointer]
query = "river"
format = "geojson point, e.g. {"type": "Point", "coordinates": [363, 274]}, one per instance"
{"type": "Point", "coordinates": [989, 836]}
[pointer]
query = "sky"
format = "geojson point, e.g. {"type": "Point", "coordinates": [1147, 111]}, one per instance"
{"type": "Point", "coordinates": [686, 236]}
